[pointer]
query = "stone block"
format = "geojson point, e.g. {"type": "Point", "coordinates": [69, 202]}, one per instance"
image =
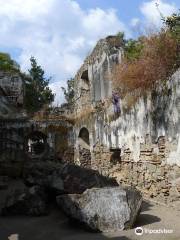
{"type": "Point", "coordinates": [151, 168]}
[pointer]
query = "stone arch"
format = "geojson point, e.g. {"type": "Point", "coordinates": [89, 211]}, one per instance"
{"type": "Point", "coordinates": [85, 88]}
{"type": "Point", "coordinates": [85, 78]}
{"type": "Point", "coordinates": [84, 135]}
{"type": "Point", "coordinates": [84, 148]}
{"type": "Point", "coordinates": [36, 144]}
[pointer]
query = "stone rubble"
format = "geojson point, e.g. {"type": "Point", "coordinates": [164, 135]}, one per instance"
{"type": "Point", "coordinates": [64, 178]}
{"type": "Point", "coordinates": [32, 201]}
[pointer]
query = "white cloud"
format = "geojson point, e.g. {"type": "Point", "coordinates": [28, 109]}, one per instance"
{"type": "Point", "coordinates": [56, 87]}
{"type": "Point", "coordinates": [57, 32]}
{"type": "Point", "coordinates": [152, 14]}
{"type": "Point", "coordinates": [135, 22]}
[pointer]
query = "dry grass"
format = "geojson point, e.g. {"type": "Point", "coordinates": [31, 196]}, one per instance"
{"type": "Point", "coordinates": [130, 101]}
{"type": "Point", "coordinates": [46, 116]}
{"type": "Point", "coordinates": [156, 63]}
{"type": "Point", "coordinates": [84, 114]}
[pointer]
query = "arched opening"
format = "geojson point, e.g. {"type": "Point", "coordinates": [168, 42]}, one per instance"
{"type": "Point", "coordinates": [84, 148]}
{"type": "Point", "coordinates": [84, 86]}
{"type": "Point", "coordinates": [85, 82]}
{"type": "Point", "coordinates": [84, 136]}
{"type": "Point", "coordinates": [36, 144]}
{"type": "Point", "coordinates": [85, 77]}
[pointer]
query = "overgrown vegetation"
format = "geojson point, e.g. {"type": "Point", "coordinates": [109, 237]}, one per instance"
{"type": "Point", "coordinates": [37, 91]}
{"type": "Point", "coordinates": [149, 60]}
{"type": "Point", "coordinates": [7, 64]}
{"type": "Point", "coordinates": [133, 49]}
{"type": "Point", "coordinates": [173, 24]}
{"type": "Point", "coordinates": [69, 91]}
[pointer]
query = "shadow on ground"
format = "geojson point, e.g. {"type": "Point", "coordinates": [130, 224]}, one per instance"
{"type": "Point", "coordinates": [145, 219]}
{"type": "Point", "coordinates": [57, 227]}
{"type": "Point", "coordinates": [53, 227]}
{"type": "Point", "coordinates": [146, 206]}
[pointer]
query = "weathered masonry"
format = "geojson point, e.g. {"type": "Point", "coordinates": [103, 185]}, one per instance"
{"type": "Point", "coordinates": [24, 140]}
{"type": "Point", "coordinates": [140, 144]}
{"type": "Point", "coordinates": [135, 140]}
{"type": "Point", "coordinates": [11, 84]}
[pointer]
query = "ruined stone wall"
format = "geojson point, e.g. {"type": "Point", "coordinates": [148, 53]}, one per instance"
{"type": "Point", "coordinates": [92, 81]}
{"type": "Point", "coordinates": [154, 178]}
{"type": "Point", "coordinates": [12, 84]}
{"type": "Point", "coordinates": [141, 145]}
{"type": "Point", "coordinates": [68, 155]}
{"type": "Point", "coordinates": [12, 154]}
{"type": "Point", "coordinates": [16, 149]}
{"type": "Point", "coordinates": [96, 69]}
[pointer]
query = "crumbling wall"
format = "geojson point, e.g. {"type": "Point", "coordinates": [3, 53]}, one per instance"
{"type": "Point", "coordinates": [12, 154]}
{"type": "Point", "coordinates": [12, 85]}
{"type": "Point", "coordinates": [92, 92]}
{"type": "Point", "coordinates": [97, 67]}
{"type": "Point", "coordinates": [150, 174]}
{"type": "Point", "coordinates": [140, 145]}
{"type": "Point", "coordinates": [147, 139]}
{"type": "Point", "coordinates": [16, 149]}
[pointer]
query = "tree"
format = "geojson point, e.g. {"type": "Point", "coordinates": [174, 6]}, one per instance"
{"type": "Point", "coordinates": [69, 92]}
{"type": "Point", "coordinates": [121, 37]}
{"type": "Point", "coordinates": [133, 49]}
{"type": "Point", "coordinates": [173, 24]}
{"type": "Point", "coordinates": [37, 91]}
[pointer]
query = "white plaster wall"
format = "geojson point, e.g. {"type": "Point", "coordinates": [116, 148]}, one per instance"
{"type": "Point", "coordinates": [130, 129]}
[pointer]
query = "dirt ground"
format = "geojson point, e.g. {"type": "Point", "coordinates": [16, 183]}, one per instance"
{"type": "Point", "coordinates": [56, 226]}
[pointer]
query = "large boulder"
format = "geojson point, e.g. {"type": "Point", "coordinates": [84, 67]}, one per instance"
{"type": "Point", "coordinates": [77, 179]}
{"type": "Point", "coordinates": [64, 178]}
{"type": "Point", "coordinates": [105, 209]}
{"type": "Point", "coordinates": [32, 201]}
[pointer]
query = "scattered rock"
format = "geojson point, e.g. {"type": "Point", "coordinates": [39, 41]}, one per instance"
{"type": "Point", "coordinates": [105, 209]}
{"type": "Point", "coordinates": [64, 178]}
{"type": "Point", "coordinates": [32, 201]}
{"type": "Point", "coordinates": [40, 173]}
{"type": "Point", "coordinates": [56, 184]}
{"type": "Point", "coordinates": [77, 179]}
{"type": "Point", "coordinates": [13, 237]}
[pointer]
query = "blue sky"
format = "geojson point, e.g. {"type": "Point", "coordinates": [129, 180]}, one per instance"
{"type": "Point", "coordinates": [126, 9]}
{"type": "Point", "coordinates": [60, 33]}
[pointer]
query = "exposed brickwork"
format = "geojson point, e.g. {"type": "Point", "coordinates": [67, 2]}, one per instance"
{"type": "Point", "coordinates": [140, 145]}
{"type": "Point", "coordinates": [68, 155]}
{"type": "Point", "coordinates": [85, 157]}
{"type": "Point", "coordinates": [150, 174]}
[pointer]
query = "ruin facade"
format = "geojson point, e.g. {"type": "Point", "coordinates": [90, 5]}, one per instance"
{"type": "Point", "coordinates": [23, 138]}
{"type": "Point", "coordinates": [137, 142]}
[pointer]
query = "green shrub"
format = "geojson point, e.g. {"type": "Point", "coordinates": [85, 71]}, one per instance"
{"type": "Point", "coordinates": [7, 64]}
